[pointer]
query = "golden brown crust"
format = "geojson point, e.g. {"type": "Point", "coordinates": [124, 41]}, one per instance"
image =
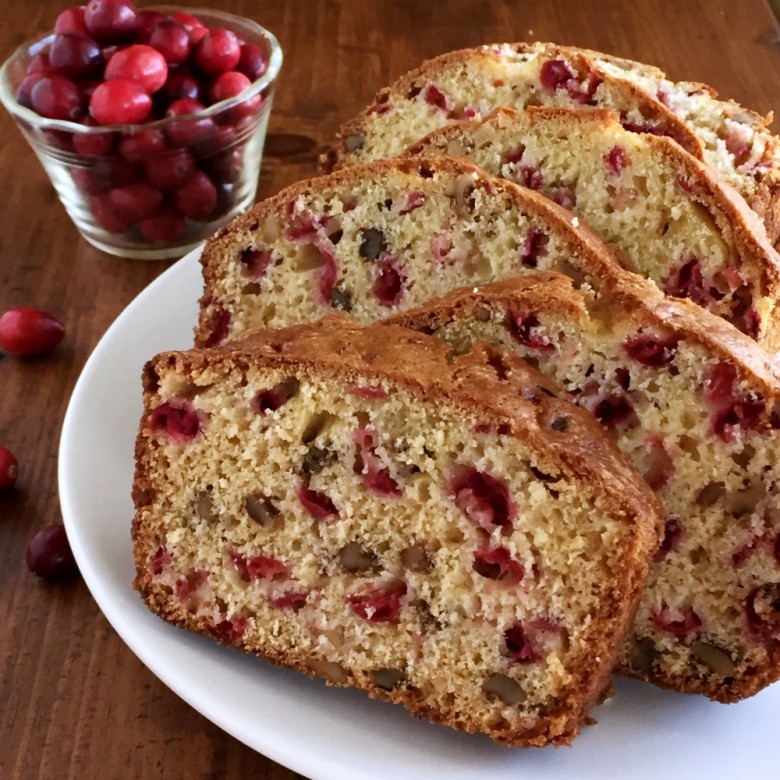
{"type": "Point", "coordinates": [504, 391]}
{"type": "Point", "coordinates": [653, 110]}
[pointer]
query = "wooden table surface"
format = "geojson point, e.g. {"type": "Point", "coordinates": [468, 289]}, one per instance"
{"type": "Point", "coordinates": [74, 701]}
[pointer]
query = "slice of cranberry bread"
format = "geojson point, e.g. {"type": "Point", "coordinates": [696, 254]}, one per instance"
{"type": "Point", "coordinates": [358, 504]}
{"type": "Point", "coordinates": [383, 237]}
{"type": "Point", "coordinates": [695, 406]}
{"type": "Point", "coordinates": [470, 82]}
{"type": "Point", "coordinates": [669, 213]}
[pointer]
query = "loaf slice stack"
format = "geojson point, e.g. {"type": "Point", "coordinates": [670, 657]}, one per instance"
{"type": "Point", "coordinates": [695, 405]}
{"type": "Point", "coordinates": [670, 214]}
{"type": "Point", "coordinates": [358, 504]}
{"type": "Point", "coordinates": [471, 82]}
{"type": "Point", "coordinates": [376, 239]}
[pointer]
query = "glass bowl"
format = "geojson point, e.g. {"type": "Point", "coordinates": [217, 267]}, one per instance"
{"type": "Point", "coordinates": [165, 171]}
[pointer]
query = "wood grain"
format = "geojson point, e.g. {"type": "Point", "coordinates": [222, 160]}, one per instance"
{"type": "Point", "coordinates": [76, 703]}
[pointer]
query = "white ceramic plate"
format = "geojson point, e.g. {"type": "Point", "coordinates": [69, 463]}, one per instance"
{"type": "Point", "coordinates": [327, 733]}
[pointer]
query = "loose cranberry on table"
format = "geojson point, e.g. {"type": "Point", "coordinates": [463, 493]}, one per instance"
{"type": "Point", "coordinates": [49, 554]}
{"type": "Point", "coordinates": [9, 469]}
{"type": "Point", "coordinates": [25, 331]}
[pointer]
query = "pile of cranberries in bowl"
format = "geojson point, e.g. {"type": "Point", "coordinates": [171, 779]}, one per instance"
{"type": "Point", "coordinates": [150, 123]}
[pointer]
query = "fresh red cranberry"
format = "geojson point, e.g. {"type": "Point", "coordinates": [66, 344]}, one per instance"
{"type": "Point", "coordinates": [390, 283]}
{"type": "Point", "coordinates": [25, 331]}
{"type": "Point", "coordinates": [170, 170]}
{"type": "Point", "coordinates": [484, 500]}
{"type": "Point", "coordinates": [188, 131]}
{"type": "Point", "coordinates": [673, 534]}
{"type": "Point", "coordinates": [105, 215]}
{"type": "Point", "coordinates": [75, 55]}
{"type": "Point", "coordinates": [218, 323]}
{"type": "Point", "coordinates": [39, 64]}
{"type": "Point", "coordinates": [762, 609]}
{"type": "Point", "coordinates": [116, 171]}
{"type": "Point", "coordinates": [252, 62]}
{"type": "Point", "coordinates": [376, 476]}
{"type": "Point", "coordinates": [24, 90]}
{"type": "Point", "coordinates": [688, 282]}
{"type": "Point", "coordinates": [258, 567]}
{"type": "Point", "coordinates": [141, 145]}
{"type": "Point", "coordinates": [180, 85]}
{"type": "Point", "coordinates": [526, 330]}
{"type": "Point", "coordinates": [231, 631]}
{"type": "Point", "coordinates": [317, 504]}
{"type": "Point", "coordinates": [164, 227]}
{"type": "Point", "coordinates": [498, 564]}
{"type": "Point", "coordinates": [111, 21]}
{"type": "Point", "coordinates": [139, 63]}
{"type": "Point", "coordinates": [176, 419]}
{"type": "Point", "coordinates": [93, 144]}
{"type": "Point", "coordinates": [380, 605]}
{"type": "Point", "coordinates": [136, 201]}
{"type": "Point", "coordinates": [614, 411]}
{"type": "Point", "coordinates": [9, 469]}
{"type": "Point", "coordinates": [147, 22]}
{"type": "Point", "coordinates": [255, 262]}
{"type": "Point", "coordinates": [191, 24]}
{"type": "Point", "coordinates": [616, 159]}
{"type": "Point", "coordinates": [218, 51]}
{"type": "Point", "coordinates": [56, 97]}
{"type": "Point", "coordinates": [59, 139]}
{"type": "Point", "coordinates": [49, 554]}
{"type": "Point", "coordinates": [555, 74]}
{"type": "Point", "coordinates": [120, 102]}
{"type": "Point", "coordinates": [197, 199]}
{"type": "Point", "coordinates": [274, 398]}
{"type": "Point", "coordinates": [172, 40]}
{"type": "Point", "coordinates": [650, 350]}
{"type": "Point", "coordinates": [534, 247]}
{"type": "Point", "coordinates": [71, 20]}
{"type": "Point", "coordinates": [677, 621]}
{"type": "Point", "coordinates": [228, 85]}
{"type": "Point", "coordinates": [161, 560]}
{"type": "Point", "coordinates": [518, 644]}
